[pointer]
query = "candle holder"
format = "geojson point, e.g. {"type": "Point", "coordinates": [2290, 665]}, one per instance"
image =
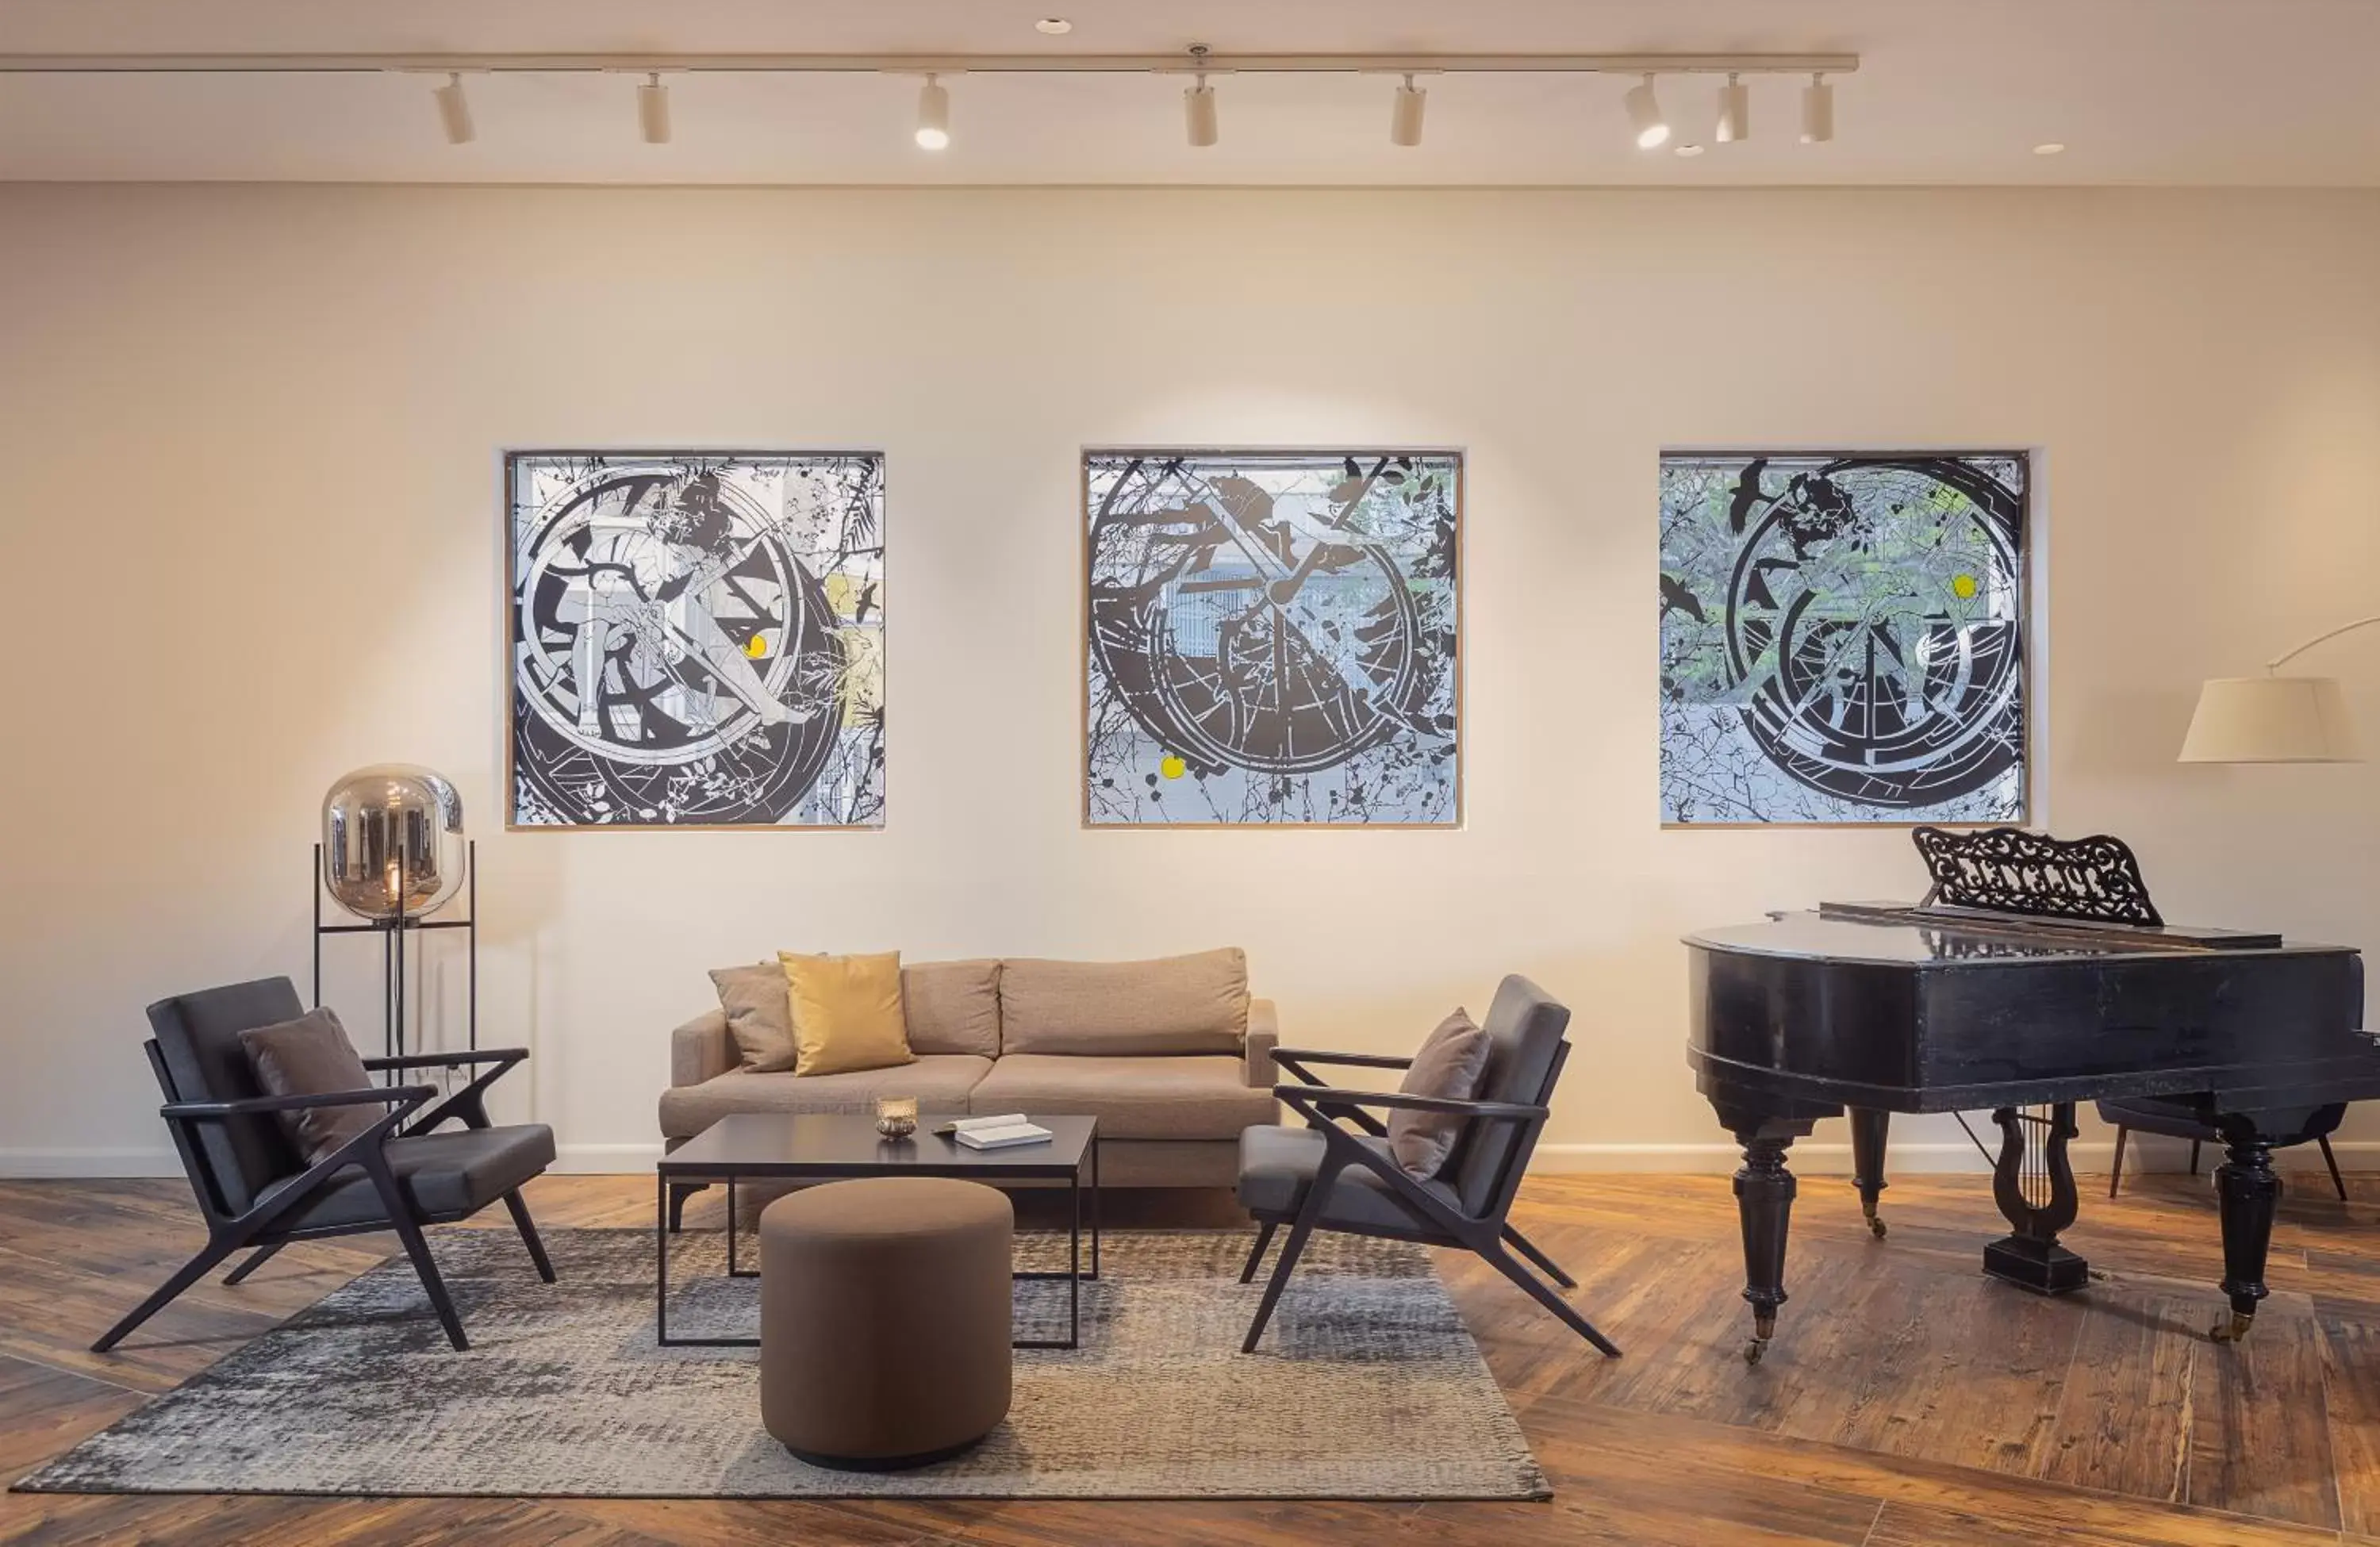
{"type": "Point", "coordinates": [896, 1116]}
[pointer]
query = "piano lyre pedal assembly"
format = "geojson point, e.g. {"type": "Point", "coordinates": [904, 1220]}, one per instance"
{"type": "Point", "coordinates": [2036, 974]}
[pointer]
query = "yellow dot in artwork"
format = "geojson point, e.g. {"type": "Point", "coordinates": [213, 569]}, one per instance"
{"type": "Point", "coordinates": [1173, 767]}
{"type": "Point", "coordinates": [1963, 587]}
{"type": "Point", "coordinates": [757, 647]}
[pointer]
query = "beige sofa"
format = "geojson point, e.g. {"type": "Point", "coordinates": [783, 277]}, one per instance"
{"type": "Point", "coordinates": [1174, 1057]}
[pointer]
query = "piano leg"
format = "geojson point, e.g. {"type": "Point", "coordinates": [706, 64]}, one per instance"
{"type": "Point", "coordinates": [1764, 1204]}
{"type": "Point", "coordinates": [2248, 1193]}
{"type": "Point", "coordinates": [1867, 1161]}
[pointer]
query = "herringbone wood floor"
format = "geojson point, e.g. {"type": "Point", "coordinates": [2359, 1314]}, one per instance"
{"type": "Point", "coordinates": [1909, 1400]}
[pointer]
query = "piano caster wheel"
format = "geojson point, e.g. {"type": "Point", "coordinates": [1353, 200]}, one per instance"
{"type": "Point", "coordinates": [1763, 1327]}
{"type": "Point", "coordinates": [2235, 1329]}
{"type": "Point", "coordinates": [1876, 1227]}
{"type": "Point", "coordinates": [1754, 1349]}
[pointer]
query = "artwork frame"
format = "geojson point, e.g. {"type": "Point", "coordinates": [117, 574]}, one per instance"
{"type": "Point", "coordinates": [766, 776]}
{"type": "Point", "coordinates": [1445, 813]}
{"type": "Point", "coordinates": [1960, 541]}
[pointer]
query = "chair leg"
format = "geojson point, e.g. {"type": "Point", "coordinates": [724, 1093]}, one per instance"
{"type": "Point", "coordinates": [1549, 1299]}
{"type": "Point", "coordinates": [408, 1231]}
{"type": "Point", "coordinates": [1528, 1249]}
{"type": "Point", "coordinates": [2332, 1160]}
{"type": "Point", "coordinates": [188, 1274]}
{"type": "Point", "coordinates": [528, 1234]}
{"type": "Point", "coordinates": [1318, 1192]}
{"type": "Point", "coordinates": [263, 1255]}
{"type": "Point", "coordinates": [2116, 1176]}
{"type": "Point", "coordinates": [1256, 1257]}
{"type": "Point", "coordinates": [2194, 1157]}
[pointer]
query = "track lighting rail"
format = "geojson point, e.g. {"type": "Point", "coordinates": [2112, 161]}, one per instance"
{"type": "Point", "coordinates": [929, 63]}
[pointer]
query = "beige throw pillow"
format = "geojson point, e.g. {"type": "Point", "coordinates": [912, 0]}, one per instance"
{"type": "Point", "coordinates": [759, 1016]}
{"type": "Point", "coordinates": [311, 1056]}
{"type": "Point", "coordinates": [846, 1012]}
{"type": "Point", "coordinates": [1450, 1064]}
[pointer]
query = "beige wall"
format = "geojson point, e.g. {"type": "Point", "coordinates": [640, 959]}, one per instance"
{"type": "Point", "coordinates": [249, 520]}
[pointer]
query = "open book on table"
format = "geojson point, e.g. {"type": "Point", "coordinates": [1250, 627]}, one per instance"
{"type": "Point", "coordinates": [995, 1133]}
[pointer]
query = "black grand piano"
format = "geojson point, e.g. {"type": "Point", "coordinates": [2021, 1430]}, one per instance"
{"type": "Point", "coordinates": [2036, 974]}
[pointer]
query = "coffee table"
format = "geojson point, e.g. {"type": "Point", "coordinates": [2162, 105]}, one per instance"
{"type": "Point", "coordinates": [811, 1146]}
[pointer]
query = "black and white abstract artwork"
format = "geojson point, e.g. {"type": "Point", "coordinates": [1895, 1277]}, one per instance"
{"type": "Point", "coordinates": [1272, 638]}
{"type": "Point", "coordinates": [697, 639]}
{"type": "Point", "coordinates": [1843, 638]}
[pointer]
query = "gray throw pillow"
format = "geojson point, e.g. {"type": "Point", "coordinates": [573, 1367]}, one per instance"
{"type": "Point", "coordinates": [1450, 1064]}
{"type": "Point", "coordinates": [311, 1056]}
{"type": "Point", "coordinates": [759, 1015]}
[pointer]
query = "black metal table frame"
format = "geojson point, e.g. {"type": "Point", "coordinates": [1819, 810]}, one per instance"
{"type": "Point", "coordinates": [824, 1172]}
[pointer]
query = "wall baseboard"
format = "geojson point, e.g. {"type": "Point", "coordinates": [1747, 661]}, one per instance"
{"type": "Point", "coordinates": [1715, 1158]}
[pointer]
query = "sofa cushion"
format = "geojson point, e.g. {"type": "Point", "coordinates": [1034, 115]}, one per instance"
{"type": "Point", "coordinates": [1198, 1097]}
{"type": "Point", "coordinates": [939, 1081]}
{"type": "Point", "coordinates": [1174, 1004]}
{"type": "Point", "coordinates": [953, 1006]}
{"type": "Point", "coordinates": [760, 1014]}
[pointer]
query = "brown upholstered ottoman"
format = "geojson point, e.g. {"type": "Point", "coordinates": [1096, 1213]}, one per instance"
{"type": "Point", "coordinates": [885, 1319]}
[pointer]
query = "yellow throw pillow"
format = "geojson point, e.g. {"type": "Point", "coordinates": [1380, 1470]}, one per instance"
{"type": "Point", "coordinates": [846, 1012]}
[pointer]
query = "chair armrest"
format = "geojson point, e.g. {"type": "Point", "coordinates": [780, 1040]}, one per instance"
{"type": "Point", "coordinates": [701, 1048]}
{"type": "Point", "coordinates": [1294, 1060]}
{"type": "Point", "coordinates": [253, 1106]}
{"type": "Point", "coordinates": [1264, 1034]}
{"type": "Point", "coordinates": [1301, 1096]}
{"type": "Point", "coordinates": [448, 1060]}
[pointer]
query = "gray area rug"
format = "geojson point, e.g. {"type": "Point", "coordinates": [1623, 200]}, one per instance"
{"type": "Point", "coordinates": [1368, 1387]}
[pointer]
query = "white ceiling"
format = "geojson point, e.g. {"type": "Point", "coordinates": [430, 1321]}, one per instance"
{"type": "Point", "coordinates": [2156, 91]}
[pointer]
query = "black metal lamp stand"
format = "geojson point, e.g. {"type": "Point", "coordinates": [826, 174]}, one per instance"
{"type": "Point", "coordinates": [393, 932]}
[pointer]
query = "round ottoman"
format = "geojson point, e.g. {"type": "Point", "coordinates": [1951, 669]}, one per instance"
{"type": "Point", "coordinates": [885, 1319]}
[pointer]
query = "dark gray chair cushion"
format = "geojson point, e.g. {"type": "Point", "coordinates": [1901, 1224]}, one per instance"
{"type": "Point", "coordinates": [451, 1172]}
{"type": "Point", "coordinates": [311, 1056]}
{"type": "Point", "coordinates": [197, 1035]}
{"type": "Point", "coordinates": [1276, 1165]}
{"type": "Point", "coordinates": [2178, 1118]}
{"type": "Point", "coordinates": [1524, 1026]}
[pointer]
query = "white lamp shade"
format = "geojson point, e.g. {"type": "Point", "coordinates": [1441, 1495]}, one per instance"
{"type": "Point", "coordinates": [2271, 719]}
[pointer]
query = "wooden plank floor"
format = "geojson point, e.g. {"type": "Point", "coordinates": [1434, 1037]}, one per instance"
{"type": "Point", "coordinates": [1908, 1399]}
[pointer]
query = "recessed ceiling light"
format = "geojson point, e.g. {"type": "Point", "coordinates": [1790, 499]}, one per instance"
{"type": "Point", "coordinates": [1054, 26]}
{"type": "Point", "coordinates": [2051, 148]}
{"type": "Point", "coordinates": [1689, 149]}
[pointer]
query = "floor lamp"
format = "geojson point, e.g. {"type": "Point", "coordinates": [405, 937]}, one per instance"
{"type": "Point", "coordinates": [2274, 718]}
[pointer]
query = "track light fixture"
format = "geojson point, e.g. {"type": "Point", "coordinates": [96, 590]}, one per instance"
{"type": "Point", "coordinates": [455, 111]}
{"type": "Point", "coordinates": [1645, 115]}
{"type": "Point", "coordinates": [652, 109]}
{"type": "Point", "coordinates": [1404, 119]}
{"type": "Point", "coordinates": [1734, 111]}
{"type": "Point", "coordinates": [934, 114]}
{"type": "Point", "coordinates": [1198, 103]}
{"type": "Point", "coordinates": [1817, 111]}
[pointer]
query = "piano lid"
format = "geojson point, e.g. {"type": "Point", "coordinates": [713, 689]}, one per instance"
{"type": "Point", "coordinates": [2001, 894]}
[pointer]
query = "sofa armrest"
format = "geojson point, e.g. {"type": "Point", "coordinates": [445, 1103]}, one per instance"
{"type": "Point", "coordinates": [701, 1048]}
{"type": "Point", "coordinates": [1264, 1035]}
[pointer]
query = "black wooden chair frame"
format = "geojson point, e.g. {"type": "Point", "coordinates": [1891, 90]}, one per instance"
{"type": "Point", "coordinates": [1328, 1109]}
{"type": "Point", "coordinates": [2124, 1132]}
{"type": "Point", "coordinates": [230, 1230]}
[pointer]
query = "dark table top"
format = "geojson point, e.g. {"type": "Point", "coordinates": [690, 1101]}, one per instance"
{"type": "Point", "coordinates": [844, 1144]}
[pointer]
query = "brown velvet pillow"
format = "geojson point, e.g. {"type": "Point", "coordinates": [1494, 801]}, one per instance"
{"type": "Point", "coordinates": [311, 1056]}
{"type": "Point", "coordinates": [1450, 1064]}
{"type": "Point", "coordinates": [759, 1015]}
